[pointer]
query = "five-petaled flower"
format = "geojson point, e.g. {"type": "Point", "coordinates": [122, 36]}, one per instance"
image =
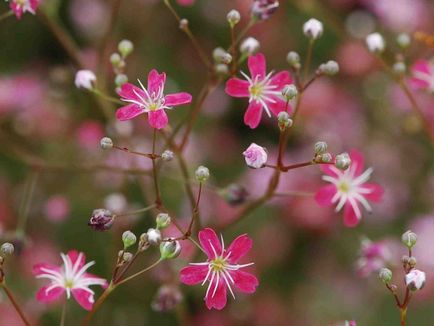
{"type": "Point", "coordinates": [71, 278]}
{"type": "Point", "coordinates": [349, 188]}
{"type": "Point", "coordinates": [21, 6]}
{"type": "Point", "coordinates": [221, 269]}
{"type": "Point", "coordinates": [150, 100]}
{"type": "Point", "coordinates": [263, 90]}
{"type": "Point", "coordinates": [423, 75]}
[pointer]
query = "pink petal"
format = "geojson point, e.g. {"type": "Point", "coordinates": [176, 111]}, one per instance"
{"type": "Point", "coordinates": [218, 301]}
{"type": "Point", "coordinates": [329, 169]}
{"type": "Point", "coordinates": [18, 10]}
{"type": "Point", "coordinates": [37, 269]}
{"type": "Point", "coordinates": [253, 115]}
{"type": "Point", "coordinates": [177, 99]}
{"type": "Point", "coordinates": [132, 92]}
{"type": "Point", "coordinates": [43, 296]}
{"type": "Point", "coordinates": [350, 217]}
{"type": "Point", "coordinates": [210, 243]}
{"type": "Point", "coordinates": [128, 112]}
{"type": "Point", "coordinates": [376, 193]}
{"type": "Point", "coordinates": [158, 119]}
{"type": "Point", "coordinates": [75, 255]}
{"type": "Point", "coordinates": [34, 4]}
{"type": "Point", "coordinates": [237, 87]}
{"type": "Point", "coordinates": [245, 282]}
{"type": "Point", "coordinates": [239, 248]}
{"type": "Point", "coordinates": [97, 279]}
{"type": "Point", "coordinates": [418, 83]}
{"type": "Point", "coordinates": [357, 162]}
{"type": "Point", "coordinates": [325, 194]}
{"type": "Point", "coordinates": [281, 79]}
{"type": "Point", "coordinates": [257, 65]}
{"type": "Point", "coordinates": [192, 275]}
{"type": "Point", "coordinates": [84, 298]}
{"type": "Point", "coordinates": [423, 66]}
{"type": "Point", "coordinates": [156, 81]}
{"type": "Point", "coordinates": [278, 106]}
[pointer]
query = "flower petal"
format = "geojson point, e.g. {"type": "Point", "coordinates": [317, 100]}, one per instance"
{"type": "Point", "coordinates": [376, 191]}
{"type": "Point", "coordinates": [218, 301]}
{"type": "Point", "coordinates": [37, 269]}
{"type": "Point", "coordinates": [210, 243]}
{"type": "Point", "coordinates": [278, 105]}
{"type": "Point", "coordinates": [96, 280]}
{"type": "Point", "coordinates": [330, 170]}
{"type": "Point", "coordinates": [357, 162]}
{"type": "Point", "coordinates": [253, 115]}
{"type": "Point", "coordinates": [239, 248]}
{"type": "Point", "coordinates": [245, 282]}
{"type": "Point", "coordinates": [156, 81]}
{"type": "Point", "coordinates": [192, 275]}
{"type": "Point", "coordinates": [177, 99]}
{"type": "Point", "coordinates": [350, 217]}
{"type": "Point", "coordinates": [84, 298]}
{"type": "Point", "coordinates": [257, 65]}
{"type": "Point", "coordinates": [237, 87]}
{"type": "Point", "coordinates": [158, 119]}
{"type": "Point", "coordinates": [43, 296]}
{"type": "Point", "coordinates": [281, 79]}
{"type": "Point", "coordinates": [132, 92]}
{"type": "Point", "coordinates": [325, 194]}
{"type": "Point", "coordinates": [128, 112]}
{"type": "Point", "coordinates": [74, 255]}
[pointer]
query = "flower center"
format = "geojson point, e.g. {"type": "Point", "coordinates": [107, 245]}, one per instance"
{"type": "Point", "coordinates": [218, 264]}
{"type": "Point", "coordinates": [69, 283]}
{"type": "Point", "coordinates": [256, 90]}
{"type": "Point", "coordinates": [344, 186]}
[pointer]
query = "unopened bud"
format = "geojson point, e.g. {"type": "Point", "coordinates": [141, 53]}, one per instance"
{"type": "Point", "coordinates": [399, 68]}
{"type": "Point", "coordinates": [329, 68]}
{"type": "Point", "coordinates": [409, 238]}
{"type": "Point", "coordinates": [106, 143]}
{"type": "Point", "coordinates": [405, 259]}
{"type": "Point", "coordinates": [101, 219]}
{"type": "Point", "coordinates": [170, 249]}
{"type": "Point", "coordinates": [167, 298]}
{"type": "Point", "coordinates": [263, 9]}
{"type": "Point", "coordinates": [7, 249]}
{"type": "Point", "coordinates": [385, 275]}
{"type": "Point", "coordinates": [127, 256]}
{"type": "Point", "coordinates": [125, 47]}
{"type": "Point", "coordinates": [233, 18]}
{"type": "Point", "coordinates": [183, 24]}
{"type": "Point", "coordinates": [293, 58]}
{"type": "Point", "coordinates": [403, 40]}
{"type": "Point", "coordinates": [143, 242]}
{"type": "Point", "coordinates": [116, 59]}
{"type": "Point", "coordinates": [221, 69]}
{"type": "Point", "coordinates": [343, 161]}
{"type": "Point", "coordinates": [221, 56]}
{"type": "Point", "coordinates": [375, 43]}
{"type": "Point", "coordinates": [415, 279]}
{"type": "Point", "coordinates": [249, 46]}
{"type": "Point", "coordinates": [121, 79]}
{"type": "Point", "coordinates": [313, 28]}
{"type": "Point", "coordinates": [167, 155]}
{"type": "Point", "coordinates": [85, 79]}
{"type": "Point", "coordinates": [325, 157]}
{"type": "Point", "coordinates": [235, 194]}
{"type": "Point", "coordinates": [162, 221]}
{"type": "Point", "coordinates": [320, 147]}
{"type": "Point", "coordinates": [202, 173]}
{"type": "Point", "coordinates": [412, 261]}
{"type": "Point", "coordinates": [289, 91]}
{"type": "Point", "coordinates": [154, 237]}
{"type": "Point", "coordinates": [128, 238]}
{"type": "Point", "coordinates": [283, 120]}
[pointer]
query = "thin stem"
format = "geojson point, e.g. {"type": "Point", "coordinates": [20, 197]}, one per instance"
{"type": "Point", "coordinates": [14, 303]}
{"type": "Point", "coordinates": [298, 165]}
{"type": "Point", "coordinates": [63, 316]}
{"type": "Point", "coordinates": [243, 32]}
{"type": "Point", "coordinates": [106, 97]}
{"type": "Point", "coordinates": [310, 82]}
{"type": "Point", "coordinates": [142, 210]}
{"type": "Point", "coordinates": [293, 193]}
{"type": "Point", "coordinates": [195, 214]}
{"type": "Point", "coordinates": [308, 59]}
{"type": "Point", "coordinates": [87, 319]}
{"type": "Point", "coordinates": [234, 51]}
{"type": "Point", "coordinates": [154, 171]}
{"type": "Point", "coordinates": [6, 15]}
{"type": "Point", "coordinates": [25, 207]}
{"type": "Point", "coordinates": [140, 272]}
{"type": "Point", "coordinates": [152, 156]}
{"type": "Point", "coordinates": [403, 316]}
{"type": "Point", "coordinates": [126, 268]}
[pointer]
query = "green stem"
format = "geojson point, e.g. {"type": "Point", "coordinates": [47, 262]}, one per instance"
{"type": "Point", "coordinates": [308, 59]}
{"type": "Point", "coordinates": [107, 97]}
{"type": "Point", "coordinates": [14, 303]}
{"type": "Point", "coordinates": [63, 316]}
{"type": "Point", "coordinates": [25, 206]}
{"type": "Point", "coordinates": [129, 278]}
{"type": "Point", "coordinates": [142, 210]}
{"type": "Point", "coordinates": [403, 315]}
{"type": "Point", "coordinates": [87, 319]}
{"type": "Point", "coordinates": [154, 170]}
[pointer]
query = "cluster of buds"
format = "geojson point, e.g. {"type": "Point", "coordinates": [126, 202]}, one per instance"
{"type": "Point", "coordinates": [117, 59]}
{"type": "Point", "coordinates": [284, 121]}
{"type": "Point", "coordinates": [321, 154]}
{"type": "Point", "coordinates": [222, 59]}
{"type": "Point", "coordinates": [329, 68]}
{"type": "Point", "coordinates": [6, 249]}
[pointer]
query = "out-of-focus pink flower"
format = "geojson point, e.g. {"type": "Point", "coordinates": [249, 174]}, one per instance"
{"type": "Point", "coordinates": [85, 79]}
{"type": "Point", "coordinates": [263, 90]}
{"type": "Point", "coordinates": [185, 2]}
{"type": "Point", "coordinates": [423, 75]}
{"type": "Point", "coordinates": [349, 188]}
{"type": "Point", "coordinates": [263, 9]}
{"type": "Point", "coordinates": [256, 156]}
{"type": "Point", "coordinates": [70, 278]}
{"type": "Point", "coordinates": [221, 269]}
{"type": "Point", "coordinates": [57, 208]}
{"type": "Point", "coordinates": [89, 134]}
{"type": "Point", "coordinates": [150, 100]}
{"type": "Point", "coordinates": [373, 256]}
{"type": "Point", "coordinates": [19, 7]}
{"type": "Point", "coordinates": [350, 323]}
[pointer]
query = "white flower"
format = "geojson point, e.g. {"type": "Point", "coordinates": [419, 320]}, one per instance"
{"type": "Point", "coordinates": [85, 79]}
{"type": "Point", "coordinates": [313, 28]}
{"type": "Point", "coordinates": [249, 46]}
{"type": "Point", "coordinates": [255, 156]}
{"type": "Point", "coordinates": [415, 279]}
{"type": "Point", "coordinates": [375, 43]}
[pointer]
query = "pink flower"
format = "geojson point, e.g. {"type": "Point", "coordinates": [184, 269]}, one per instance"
{"type": "Point", "coordinates": [264, 91]}
{"type": "Point", "coordinates": [149, 100]}
{"type": "Point", "coordinates": [349, 188]}
{"type": "Point", "coordinates": [256, 156]}
{"type": "Point", "coordinates": [415, 279]}
{"type": "Point", "coordinates": [85, 79]}
{"type": "Point", "coordinates": [423, 75]}
{"type": "Point", "coordinates": [350, 323]}
{"type": "Point", "coordinates": [185, 2]}
{"type": "Point", "coordinates": [21, 6]}
{"type": "Point", "coordinates": [71, 277]}
{"type": "Point", "coordinates": [373, 256]}
{"type": "Point", "coordinates": [221, 269]}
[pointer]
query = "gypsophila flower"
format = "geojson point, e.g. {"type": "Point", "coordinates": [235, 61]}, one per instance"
{"type": "Point", "coordinates": [150, 100]}
{"type": "Point", "coordinates": [348, 189]}
{"type": "Point", "coordinates": [154, 236]}
{"type": "Point", "coordinates": [263, 9]}
{"type": "Point", "coordinates": [71, 277]}
{"type": "Point", "coordinates": [221, 269]}
{"type": "Point", "coordinates": [85, 79]}
{"type": "Point", "coordinates": [106, 143]}
{"type": "Point", "coordinates": [263, 90]}
{"type": "Point", "coordinates": [375, 43]}
{"type": "Point", "coordinates": [313, 28]}
{"type": "Point", "coordinates": [415, 279]}
{"type": "Point", "coordinates": [249, 46]}
{"type": "Point", "coordinates": [373, 256]}
{"type": "Point", "coordinates": [256, 156]}
{"type": "Point", "coordinates": [19, 7]}
{"type": "Point", "coordinates": [101, 219]}
{"type": "Point", "coordinates": [423, 75]}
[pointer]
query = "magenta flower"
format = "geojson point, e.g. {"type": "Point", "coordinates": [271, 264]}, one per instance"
{"type": "Point", "coordinates": [149, 100]}
{"type": "Point", "coordinates": [21, 6]}
{"type": "Point", "coordinates": [423, 75]}
{"type": "Point", "coordinates": [221, 269]}
{"type": "Point", "coordinates": [349, 188]}
{"type": "Point", "coordinates": [263, 90]}
{"type": "Point", "coordinates": [69, 278]}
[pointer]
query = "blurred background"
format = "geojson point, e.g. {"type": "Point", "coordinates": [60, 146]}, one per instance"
{"type": "Point", "coordinates": [312, 270]}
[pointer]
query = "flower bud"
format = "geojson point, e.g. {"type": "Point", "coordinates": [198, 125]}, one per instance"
{"type": "Point", "coordinates": [202, 173]}
{"type": "Point", "coordinates": [126, 257]}
{"type": "Point", "coordinates": [183, 24]}
{"type": "Point", "coordinates": [128, 238]}
{"type": "Point", "coordinates": [412, 261]}
{"type": "Point", "coordinates": [343, 161]}
{"type": "Point", "coordinates": [121, 79]}
{"type": "Point", "coordinates": [235, 194]}
{"type": "Point", "coordinates": [263, 9]}
{"type": "Point", "coordinates": [106, 143]}
{"type": "Point", "coordinates": [375, 43]}
{"type": "Point", "coordinates": [116, 60]}
{"type": "Point", "coordinates": [385, 275]}
{"type": "Point", "coordinates": [154, 237]}
{"type": "Point", "coordinates": [167, 155]}
{"type": "Point", "coordinates": [313, 28]}
{"type": "Point", "coordinates": [325, 157]}
{"type": "Point", "coordinates": [125, 48]}
{"type": "Point", "coordinates": [162, 221]}
{"type": "Point", "coordinates": [7, 249]}
{"type": "Point", "coordinates": [85, 79]}
{"type": "Point", "coordinates": [221, 56]}
{"type": "Point", "coordinates": [289, 91]}
{"type": "Point", "coordinates": [167, 298]}
{"type": "Point", "coordinates": [256, 156]}
{"type": "Point", "coordinates": [320, 147]}
{"type": "Point", "coordinates": [399, 68]}
{"type": "Point", "coordinates": [101, 219]}
{"type": "Point", "coordinates": [415, 279]}
{"type": "Point", "coordinates": [233, 18]}
{"type": "Point", "coordinates": [249, 46]}
{"type": "Point", "coordinates": [170, 249]}
{"type": "Point", "coordinates": [221, 69]}
{"type": "Point", "coordinates": [143, 242]}
{"type": "Point", "coordinates": [329, 68]}
{"type": "Point", "coordinates": [283, 120]}
{"type": "Point", "coordinates": [403, 40]}
{"type": "Point", "coordinates": [409, 238]}
{"type": "Point", "coordinates": [405, 259]}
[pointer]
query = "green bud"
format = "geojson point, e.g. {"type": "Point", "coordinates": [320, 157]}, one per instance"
{"type": "Point", "coordinates": [233, 18]}
{"type": "Point", "coordinates": [115, 59]}
{"type": "Point", "coordinates": [409, 238]}
{"type": "Point", "coordinates": [170, 249]}
{"type": "Point", "coordinates": [125, 48]}
{"type": "Point", "coordinates": [343, 161]}
{"type": "Point", "coordinates": [283, 120]}
{"type": "Point", "coordinates": [106, 143]}
{"type": "Point", "coordinates": [320, 147]}
{"type": "Point", "coordinates": [403, 40]}
{"type": "Point", "coordinates": [202, 173]}
{"type": "Point", "coordinates": [7, 249]}
{"type": "Point", "coordinates": [385, 275]}
{"type": "Point", "coordinates": [162, 221]}
{"type": "Point", "coordinates": [128, 238]}
{"type": "Point", "coordinates": [121, 79]}
{"type": "Point", "coordinates": [289, 92]}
